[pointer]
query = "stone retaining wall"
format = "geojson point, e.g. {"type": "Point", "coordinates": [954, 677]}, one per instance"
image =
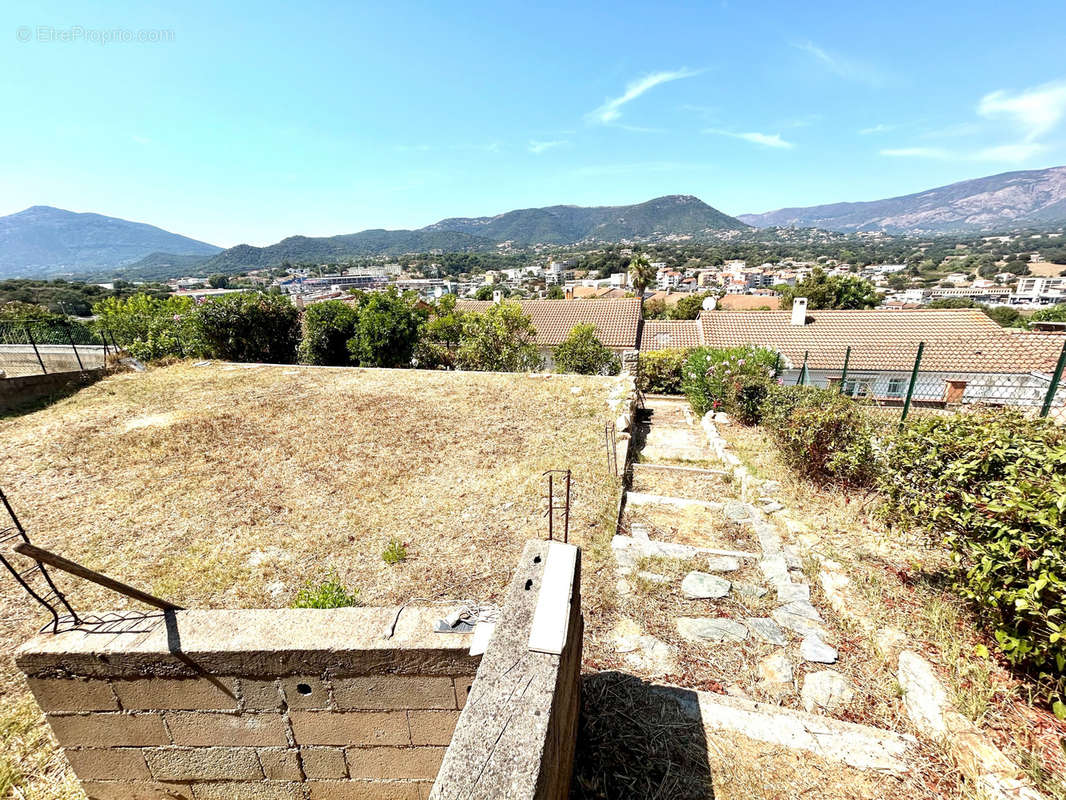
{"type": "Point", "coordinates": [304, 703]}
{"type": "Point", "coordinates": [25, 389]}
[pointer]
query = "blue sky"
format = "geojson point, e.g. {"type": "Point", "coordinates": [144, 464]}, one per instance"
{"type": "Point", "coordinates": [261, 120]}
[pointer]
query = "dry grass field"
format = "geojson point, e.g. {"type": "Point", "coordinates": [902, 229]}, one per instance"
{"type": "Point", "coordinates": [223, 486]}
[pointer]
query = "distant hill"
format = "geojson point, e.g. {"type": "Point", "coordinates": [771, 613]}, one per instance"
{"type": "Point", "coordinates": [45, 241]}
{"type": "Point", "coordinates": [1033, 198]}
{"type": "Point", "coordinates": [672, 215]}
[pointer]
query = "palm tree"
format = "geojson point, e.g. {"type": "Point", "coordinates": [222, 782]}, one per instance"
{"type": "Point", "coordinates": [641, 274]}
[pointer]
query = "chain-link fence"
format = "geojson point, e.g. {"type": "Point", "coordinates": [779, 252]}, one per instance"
{"type": "Point", "coordinates": [1023, 372]}
{"type": "Point", "coordinates": [41, 347]}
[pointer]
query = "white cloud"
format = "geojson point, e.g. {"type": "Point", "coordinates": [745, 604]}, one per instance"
{"type": "Point", "coordinates": [610, 111]}
{"type": "Point", "coordinates": [764, 139]}
{"type": "Point", "coordinates": [1009, 153]}
{"type": "Point", "coordinates": [916, 152]}
{"type": "Point", "coordinates": [843, 66]}
{"type": "Point", "coordinates": [879, 128]}
{"type": "Point", "coordinates": [537, 147]}
{"type": "Point", "coordinates": [1035, 111]}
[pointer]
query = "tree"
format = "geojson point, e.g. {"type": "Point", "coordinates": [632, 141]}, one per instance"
{"type": "Point", "coordinates": [641, 274]}
{"type": "Point", "coordinates": [327, 328]}
{"type": "Point", "coordinates": [438, 345]}
{"type": "Point", "coordinates": [250, 326]}
{"type": "Point", "coordinates": [499, 339]}
{"type": "Point", "coordinates": [486, 292]}
{"type": "Point", "coordinates": [555, 292]}
{"type": "Point", "coordinates": [387, 329]}
{"type": "Point", "coordinates": [1056, 313]}
{"type": "Point", "coordinates": [837, 291]}
{"type": "Point", "coordinates": [218, 281]}
{"type": "Point", "coordinates": [655, 309]}
{"type": "Point", "coordinates": [1005, 316]}
{"type": "Point", "coordinates": [582, 352]}
{"type": "Point", "coordinates": [689, 306]}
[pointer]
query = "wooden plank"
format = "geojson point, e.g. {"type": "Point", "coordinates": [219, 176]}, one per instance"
{"type": "Point", "coordinates": [42, 556]}
{"type": "Point", "coordinates": [551, 618]}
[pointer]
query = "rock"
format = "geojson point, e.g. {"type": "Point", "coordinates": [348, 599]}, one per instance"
{"type": "Point", "coordinates": [640, 531]}
{"type": "Point", "coordinates": [749, 590]}
{"type": "Point", "coordinates": [769, 538]}
{"type": "Point", "coordinates": [825, 691]}
{"type": "Point", "coordinates": [722, 564]}
{"type": "Point", "coordinates": [766, 629]}
{"type": "Point", "coordinates": [275, 589]}
{"type": "Point", "coordinates": [622, 587]}
{"type": "Point", "coordinates": [652, 577]}
{"type": "Point", "coordinates": [792, 558]}
{"type": "Point", "coordinates": [792, 592]}
{"type": "Point", "coordinates": [796, 623]}
{"type": "Point", "coordinates": [722, 418]}
{"type": "Point", "coordinates": [704, 586]}
{"type": "Point", "coordinates": [711, 629]}
{"type": "Point", "coordinates": [640, 651]}
{"type": "Point", "coordinates": [736, 690]}
{"type": "Point", "coordinates": [813, 649]}
{"type": "Point", "coordinates": [808, 540]}
{"type": "Point", "coordinates": [772, 506]}
{"type": "Point", "coordinates": [802, 608]}
{"type": "Point", "coordinates": [770, 487]}
{"type": "Point", "coordinates": [776, 668]}
{"type": "Point", "coordinates": [736, 511]}
{"type": "Point", "coordinates": [889, 641]}
{"type": "Point", "coordinates": [923, 695]}
{"type": "Point", "coordinates": [775, 569]}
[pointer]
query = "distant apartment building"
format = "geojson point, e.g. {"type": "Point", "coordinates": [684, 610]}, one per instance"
{"type": "Point", "coordinates": [1039, 291]}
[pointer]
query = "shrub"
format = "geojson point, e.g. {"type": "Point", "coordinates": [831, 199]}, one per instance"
{"type": "Point", "coordinates": [732, 379]}
{"type": "Point", "coordinates": [660, 371]}
{"type": "Point", "coordinates": [387, 329]}
{"type": "Point", "coordinates": [992, 487]}
{"type": "Point", "coordinates": [330, 593]}
{"type": "Point", "coordinates": [499, 339]}
{"type": "Point", "coordinates": [250, 326]}
{"type": "Point", "coordinates": [327, 327]}
{"type": "Point", "coordinates": [438, 345]}
{"type": "Point", "coordinates": [821, 434]}
{"type": "Point", "coordinates": [583, 353]}
{"type": "Point", "coordinates": [394, 553]}
{"type": "Point", "coordinates": [151, 328]}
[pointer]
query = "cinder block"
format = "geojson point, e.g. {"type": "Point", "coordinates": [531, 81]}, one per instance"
{"type": "Point", "coordinates": [109, 730]}
{"type": "Point", "coordinates": [393, 691]}
{"type": "Point", "coordinates": [462, 690]}
{"type": "Point", "coordinates": [257, 695]}
{"type": "Point", "coordinates": [55, 695]}
{"type": "Point", "coordinates": [385, 763]}
{"type": "Point", "coordinates": [350, 728]}
{"type": "Point", "coordinates": [280, 764]}
{"type": "Point", "coordinates": [204, 764]}
{"type": "Point", "coordinates": [432, 727]}
{"type": "Point", "coordinates": [323, 762]}
{"type": "Point", "coordinates": [305, 693]}
{"type": "Point", "coordinates": [213, 729]}
{"type": "Point", "coordinates": [163, 694]}
{"type": "Point", "coordinates": [362, 790]}
{"type": "Point", "coordinates": [108, 764]}
{"type": "Point", "coordinates": [257, 790]}
{"type": "Point", "coordinates": [136, 790]}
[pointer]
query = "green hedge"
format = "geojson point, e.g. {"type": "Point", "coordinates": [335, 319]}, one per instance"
{"type": "Point", "coordinates": [821, 434]}
{"type": "Point", "coordinates": [660, 371]}
{"type": "Point", "coordinates": [992, 487]}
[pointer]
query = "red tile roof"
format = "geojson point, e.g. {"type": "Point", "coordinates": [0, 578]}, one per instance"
{"type": "Point", "coordinates": [956, 340]}
{"type": "Point", "coordinates": [617, 321]}
{"type": "Point", "coordinates": [661, 334]}
{"type": "Point", "coordinates": [747, 302]}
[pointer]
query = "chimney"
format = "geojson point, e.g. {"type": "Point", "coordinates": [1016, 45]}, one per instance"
{"type": "Point", "coordinates": [568, 293]}
{"type": "Point", "coordinates": [799, 311]}
{"type": "Point", "coordinates": [497, 296]}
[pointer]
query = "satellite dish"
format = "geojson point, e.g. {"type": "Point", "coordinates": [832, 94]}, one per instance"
{"type": "Point", "coordinates": [710, 303]}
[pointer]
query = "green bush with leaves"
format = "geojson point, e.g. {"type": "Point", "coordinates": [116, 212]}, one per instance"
{"type": "Point", "coordinates": [822, 434]}
{"type": "Point", "coordinates": [660, 371]}
{"type": "Point", "coordinates": [394, 553]}
{"type": "Point", "coordinates": [328, 593]}
{"type": "Point", "coordinates": [387, 329]}
{"type": "Point", "coordinates": [731, 379]}
{"type": "Point", "coordinates": [992, 487]}
{"type": "Point", "coordinates": [327, 328]}
{"type": "Point", "coordinates": [151, 328]}
{"type": "Point", "coordinates": [582, 352]}
{"type": "Point", "coordinates": [250, 326]}
{"type": "Point", "coordinates": [500, 339]}
{"type": "Point", "coordinates": [438, 345]}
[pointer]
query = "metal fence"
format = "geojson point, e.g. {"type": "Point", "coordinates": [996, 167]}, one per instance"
{"type": "Point", "coordinates": [43, 347]}
{"type": "Point", "coordinates": [1022, 372]}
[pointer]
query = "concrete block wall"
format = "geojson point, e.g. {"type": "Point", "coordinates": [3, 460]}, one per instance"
{"type": "Point", "coordinates": [19, 391]}
{"type": "Point", "coordinates": [296, 704]}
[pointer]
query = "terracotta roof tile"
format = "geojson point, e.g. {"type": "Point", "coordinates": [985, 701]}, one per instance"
{"type": "Point", "coordinates": [616, 321]}
{"type": "Point", "coordinates": [661, 334]}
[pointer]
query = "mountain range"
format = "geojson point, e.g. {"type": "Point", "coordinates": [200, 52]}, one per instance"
{"type": "Point", "coordinates": [1033, 198]}
{"type": "Point", "coordinates": [48, 241]}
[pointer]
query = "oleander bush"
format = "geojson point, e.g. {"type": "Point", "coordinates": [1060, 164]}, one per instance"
{"type": "Point", "coordinates": [250, 326]}
{"type": "Point", "coordinates": [991, 486]}
{"type": "Point", "coordinates": [151, 328]}
{"type": "Point", "coordinates": [734, 379]}
{"type": "Point", "coordinates": [822, 434]}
